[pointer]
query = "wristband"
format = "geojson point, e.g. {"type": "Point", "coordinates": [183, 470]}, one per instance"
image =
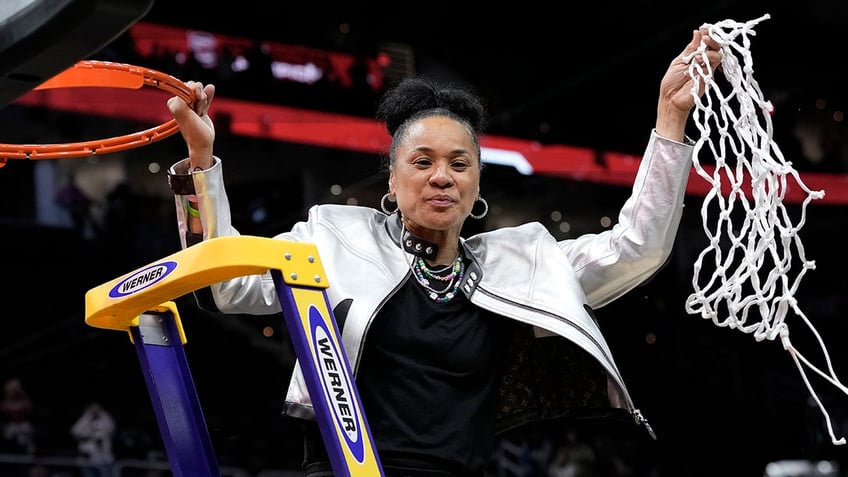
{"type": "Point", "coordinates": [192, 211]}
{"type": "Point", "coordinates": [182, 184]}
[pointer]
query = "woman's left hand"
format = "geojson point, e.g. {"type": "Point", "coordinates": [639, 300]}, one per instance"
{"type": "Point", "coordinates": [676, 100]}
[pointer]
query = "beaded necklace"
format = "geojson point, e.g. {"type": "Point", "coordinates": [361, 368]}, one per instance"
{"type": "Point", "coordinates": [452, 278]}
{"type": "Point", "coordinates": [451, 275]}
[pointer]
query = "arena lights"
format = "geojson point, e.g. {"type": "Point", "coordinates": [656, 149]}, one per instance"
{"type": "Point", "coordinates": [365, 135]}
{"type": "Point", "coordinates": [161, 43]}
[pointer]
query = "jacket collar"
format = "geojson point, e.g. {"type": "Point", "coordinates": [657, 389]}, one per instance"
{"type": "Point", "coordinates": [428, 250]}
{"type": "Point", "coordinates": [410, 243]}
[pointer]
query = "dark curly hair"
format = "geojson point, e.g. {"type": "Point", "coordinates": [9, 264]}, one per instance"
{"type": "Point", "coordinates": [415, 98]}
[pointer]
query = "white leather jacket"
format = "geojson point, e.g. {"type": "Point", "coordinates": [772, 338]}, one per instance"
{"type": "Point", "coordinates": [522, 272]}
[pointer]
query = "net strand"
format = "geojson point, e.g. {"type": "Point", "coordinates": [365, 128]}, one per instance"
{"type": "Point", "coordinates": [747, 276]}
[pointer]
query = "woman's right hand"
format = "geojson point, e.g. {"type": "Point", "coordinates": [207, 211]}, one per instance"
{"type": "Point", "coordinates": [195, 125]}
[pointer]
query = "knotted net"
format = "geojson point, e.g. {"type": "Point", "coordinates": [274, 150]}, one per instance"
{"type": "Point", "coordinates": [747, 276]}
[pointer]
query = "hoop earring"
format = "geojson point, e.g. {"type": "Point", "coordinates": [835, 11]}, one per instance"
{"type": "Point", "coordinates": [485, 209]}
{"type": "Point", "coordinates": [387, 198]}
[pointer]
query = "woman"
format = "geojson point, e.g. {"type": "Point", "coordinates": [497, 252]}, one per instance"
{"type": "Point", "coordinates": [455, 339]}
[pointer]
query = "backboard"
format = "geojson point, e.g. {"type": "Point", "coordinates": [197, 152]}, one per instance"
{"type": "Point", "coordinates": [40, 38]}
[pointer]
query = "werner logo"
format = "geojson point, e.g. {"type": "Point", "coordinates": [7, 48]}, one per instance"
{"type": "Point", "coordinates": [337, 388]}
{"type": "Point", "coordinates": [142, 279]}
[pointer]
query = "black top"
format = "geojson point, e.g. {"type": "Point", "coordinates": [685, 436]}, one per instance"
{"type": "Point", "coordinates": [427, 379]}
{"type": "Point", "coordinates": [427, 382]}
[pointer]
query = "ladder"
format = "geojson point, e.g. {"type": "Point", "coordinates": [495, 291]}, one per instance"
{"type": "Point", "coordinates": [141, 303]}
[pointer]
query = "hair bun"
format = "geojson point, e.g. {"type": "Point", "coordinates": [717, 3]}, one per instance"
{"type": "Point", "coordinates": [416, 94]}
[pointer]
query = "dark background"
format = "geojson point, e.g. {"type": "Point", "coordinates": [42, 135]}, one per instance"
{"type": "Point", "coordinates": [589, 71]}
{"type": "Point", "coordinates": [583, 74]}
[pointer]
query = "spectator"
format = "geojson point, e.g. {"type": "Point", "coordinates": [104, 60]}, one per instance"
{"type": "Point", "coordinates": [93, 432]}
{"type": "Point", "coordinates": [18, 430]}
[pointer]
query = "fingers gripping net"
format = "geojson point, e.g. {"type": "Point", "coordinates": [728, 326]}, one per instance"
{"type": "Point", "coordinates": [747, 276]}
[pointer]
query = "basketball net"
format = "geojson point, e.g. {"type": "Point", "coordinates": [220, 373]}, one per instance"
{"type": "Point", "coordinates": [755, 257]}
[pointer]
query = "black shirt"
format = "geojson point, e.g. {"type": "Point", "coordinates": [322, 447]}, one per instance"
{"type": "Point", "coordinates": [427, 379]}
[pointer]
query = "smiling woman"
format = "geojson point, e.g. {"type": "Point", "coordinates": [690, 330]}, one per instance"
{"type": "Point", "coordinates": [553, 89]}
{"type": "Point", "coordinates": [453, 339]}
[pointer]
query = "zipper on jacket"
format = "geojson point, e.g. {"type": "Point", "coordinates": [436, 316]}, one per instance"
{"type": "Point", "coordinates": [388, 297]}
{"type": "Point", "coordinates": [641, 421]}
{"type": "Point", "coordinates": [616, 375]}
{"type": "Point", "coordinates": [561, 318]}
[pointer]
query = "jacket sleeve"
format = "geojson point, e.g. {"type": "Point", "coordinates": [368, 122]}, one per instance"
{"type": "Point", "coordinates": [250, 294]}
{"type": "Point", "coordinates": [613, 262]}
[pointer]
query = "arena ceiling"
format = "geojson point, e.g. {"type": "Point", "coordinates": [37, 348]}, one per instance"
{"type": "Point", "coordinates": [585, 74]}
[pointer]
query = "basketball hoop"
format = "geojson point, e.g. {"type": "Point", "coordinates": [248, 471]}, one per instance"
{"type": "Point", "coordinates": [90, 73]}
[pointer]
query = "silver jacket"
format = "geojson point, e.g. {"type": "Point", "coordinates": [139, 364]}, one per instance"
{"type": "Point", "coordinates": [521, 272]}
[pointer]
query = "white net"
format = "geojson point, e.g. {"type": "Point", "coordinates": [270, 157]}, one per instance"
{"type": "Point", "coordinates": [747, 276]}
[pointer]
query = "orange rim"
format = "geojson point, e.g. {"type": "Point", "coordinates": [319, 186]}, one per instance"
{"type": "Point", "coordinates": [110, 75]}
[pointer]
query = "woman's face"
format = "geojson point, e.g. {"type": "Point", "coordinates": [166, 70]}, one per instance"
{"type": "Point", "coordinates": [436, 176]}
